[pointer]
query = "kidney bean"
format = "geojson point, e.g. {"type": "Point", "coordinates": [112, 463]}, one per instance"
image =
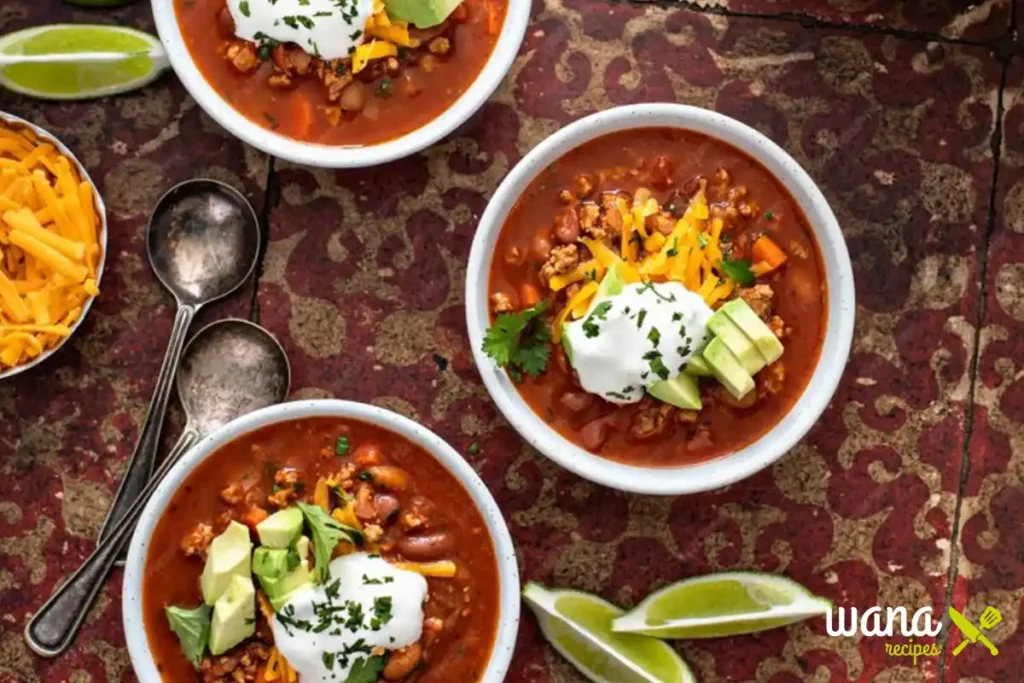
{"type": "Point", "coordinates": [541, 248]}
{"type": "Point", "coordinates": [567, 227]}
{"type": "Point", "coordinates": [575, 402]}
{"type": "Point", "coordinates": [385, 505]}
{"type": "Point", "coordinates": [402, 662]}
{"type": "Point", "coordinates": [426, 548]}
{"type": "Point", "coordinates": [594, 434]}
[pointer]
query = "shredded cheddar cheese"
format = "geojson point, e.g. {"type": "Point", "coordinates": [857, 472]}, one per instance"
{"type": "Point", "coordinates": [49, 246]}
{"type": "Point", "coordinates": [375, 49]}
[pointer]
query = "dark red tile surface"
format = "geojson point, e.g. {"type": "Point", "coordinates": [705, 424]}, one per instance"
{"type": "Point", "coordinates": [992, 538]}
{"type": "Point", "coordinates": [363, 281]}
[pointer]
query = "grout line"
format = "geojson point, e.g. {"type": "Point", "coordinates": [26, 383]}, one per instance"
{"type": "Point", "coordinates": [965, 460]}
{"type": "Point", "coordinates": [271, 197]}
{"type": "Point", "coordinates": [811, 22]}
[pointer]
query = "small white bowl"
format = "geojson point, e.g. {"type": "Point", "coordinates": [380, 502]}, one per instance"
{"type": "Point", "coordinates": [101, 212]}
{"type": "Point", "coordinates": [710, 474]}
{"type": "Point", "coordinates": [339, 156]}
{"type": "Point", "coordinates": [508, 569]}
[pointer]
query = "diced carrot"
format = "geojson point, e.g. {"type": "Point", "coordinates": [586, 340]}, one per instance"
{"type": "Point", "coordinates": [529, 296]}
{"type": "Point", "coordinates": [767, 252]}
{"type": "Point", "coordinates": [300, 117]}
{"type": "Point", "coordinates": [254, 516]}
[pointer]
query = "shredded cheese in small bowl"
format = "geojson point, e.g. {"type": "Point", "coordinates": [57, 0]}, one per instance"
{"type": "Point", "coordinates": [53, 243]}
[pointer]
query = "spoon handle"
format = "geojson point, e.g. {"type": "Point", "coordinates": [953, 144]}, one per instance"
{"type": "Point", "coordinates": [140, 465]}
{"type": "Point", "coordinates": [52, 629]}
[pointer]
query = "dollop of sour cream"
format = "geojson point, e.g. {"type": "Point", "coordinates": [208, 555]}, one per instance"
{"type": "Point", "coordinates": [326, 630]}
{"type": "Point", "coordinates": [632, 340]}
{"type": "Point", "coordinates": [324, 28]}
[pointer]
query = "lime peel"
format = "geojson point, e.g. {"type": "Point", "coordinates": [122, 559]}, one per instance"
{"type": "Point", "coordinates": [720, 605]}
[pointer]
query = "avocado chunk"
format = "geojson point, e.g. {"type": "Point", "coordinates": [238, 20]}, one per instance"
{"type": "Point", "coordinates": [230, 556]}
{"type": "Point", "coordinates": [271, 563]}
{"type": "Point", "coordinates": [612, 283]}
{"type": "Point", "coordinates": [698, 367]}
{"type": "Point", "coordinates": [740, 312]}
{"type": "Point", "coordinates": [280, 529]}
{"type": "Point", "coordinates": [680, 391]}
{"type": "Point", "coordinates": [234, 616]}
{"type": "Point", "coordinates": [737, 341]}
{"type": "Point", "coordinates": [421, 13]}
{"type": "Point", "coordinates": [728, 369]}
{"type": "Point", "coordinates": [281, 590]}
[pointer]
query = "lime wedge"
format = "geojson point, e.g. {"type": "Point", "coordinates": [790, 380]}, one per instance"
{"type": "Point", "coordinates": [720, 605]}
{"type": "Point", "coordinates": [579, 626]}
{"type": "Point", "coordinates": [80, 80]}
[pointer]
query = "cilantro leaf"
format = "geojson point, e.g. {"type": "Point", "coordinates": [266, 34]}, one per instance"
{"type": "Point", "coordinates": [739, 271]}
{"type": "Point", "coordinates": [327, 534]}
{"type": "Point", "coordinates": [518, 342]}
{"type": "Point", "coordinates": [600, 312]}
{"type": "Point", "coordinates": [366, 670]}
{"type": "Point", "coordinates": [192, 626]}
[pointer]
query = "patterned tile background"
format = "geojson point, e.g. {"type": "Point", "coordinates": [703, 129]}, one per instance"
{"type": "Point", "coordinates": [907, 492]}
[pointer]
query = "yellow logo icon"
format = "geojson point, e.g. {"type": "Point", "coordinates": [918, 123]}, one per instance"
{"type": "Point", "coordinates": [972, 634]}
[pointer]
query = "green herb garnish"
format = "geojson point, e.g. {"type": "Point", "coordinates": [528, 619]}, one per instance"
{"type": "Point", "coordinates": [341, 446]}
{"type": "Point", "coordinates": [518, 342]}
{"type": "Point", "coordinates": [739, 272]}
{"type": "Point", "coordinates": [327, 534]}
{"type": "Point", "coordinates": [192, 626]}
{"type": "Point", "coordinates": [600, 312]}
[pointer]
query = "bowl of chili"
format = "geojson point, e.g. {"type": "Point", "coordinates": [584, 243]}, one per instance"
{"type": "Point", "coordinates": [381, 497]}
{"type": "Point", "coordinates": [651, 297]}
{"type": "Point", "coordinates": [340, 83]}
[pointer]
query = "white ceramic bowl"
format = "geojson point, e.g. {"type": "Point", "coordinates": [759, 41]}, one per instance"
{"type": "Point", "coordinates": [508, 569]}
{"type": "Point", "coordinates": [839, 327]}
{"type": "Point", "coordinates": [101, 212]}
{"type": "Point", "coordinates": [311, 154]}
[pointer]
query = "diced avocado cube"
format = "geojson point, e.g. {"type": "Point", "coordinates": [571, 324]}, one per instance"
{"type": "Point", "coordinates": [727, 368]}
{"type": "Point", "coordinates": [230, 555]}
{"type": "Point", "coordinates": [740, 312]}
{"type": "Point", "coordinates": [565, 342]}
{"type": "Point", "coordinates": [270, 563]}
{"type": "Point", "coordinates": [698, 367]}
{"type": "Point", "coordinates": [421, 13]}
{"type": "Point", "coordinates": [234, 616]}
{"type": "Point", "coordinates": [280, 590]}
{"type": "Point", "coordinates": [680, 391]}
{"type": "Point", "coordinates": [612, 283]}
{"type": "Point", "coordinates": [737, 341]}
{"type": "Point", "coordinates": [280, 529]}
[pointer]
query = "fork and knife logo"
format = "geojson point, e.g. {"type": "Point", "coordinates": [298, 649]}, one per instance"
{"type": "Point", "coordinates": [972, 634]}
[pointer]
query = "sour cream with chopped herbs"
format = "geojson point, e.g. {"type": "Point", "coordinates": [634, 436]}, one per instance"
{"type": "Point", "coordinates": [324, 28]}
{"type": "Point", "coordinates": [632, 340]}
{"type": "Point", "coordinates": [329, 631]}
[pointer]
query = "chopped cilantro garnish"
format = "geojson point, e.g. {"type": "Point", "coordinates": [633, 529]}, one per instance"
{"type": "Point", "coordinates": [739, 272]}
{"type": "Point", "coordinates": [243, 7]}
{"type": "Point", "coordinates": [654, 336]}
{"type": "Point", "coordinates": [473, 449]}
{"type": "Point", "coordinates": [640, 317]}
{"type": "Point", "coordinates": [600, 312]}
{"type": "Point", "coordinates": [674, 249]}
{"type": "Point", "coordinates": [653, 358]}
{"type": "Point", "coordinates": [769, 214]}
{"type": "Point", "coordinates": [518, 342]}
{"type": "Point", "coordinates": [341, 446]}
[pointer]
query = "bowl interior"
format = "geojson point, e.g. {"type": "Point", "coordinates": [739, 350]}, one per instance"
{"type": "Point", "coordinates": [101, 212]}
{"type": "Point", "coordinates": [839, 324]}
{"type": "Point", "coordinates": [497, 66]}
{"type": "Point", "coordinates": [508, 572]}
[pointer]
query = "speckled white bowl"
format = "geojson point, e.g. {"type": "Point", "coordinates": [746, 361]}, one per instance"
{"type": "Point", "coordinates": [101, 212]}
{"type": "Point", "coordinates": [839, 325]}
{"type": "Point", "coordinates": [337, 156]}
{"type": "Point", "coordinates": [508, 569]}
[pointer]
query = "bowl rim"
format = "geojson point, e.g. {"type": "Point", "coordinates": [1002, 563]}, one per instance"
{"type": "Point", "coordinates": [469, 102]}
{"type": "Point", "coordinates": [839, 325]}
{"type": "Point", "coordinates": [101, 210]}
{"type": "Point", "coordinates": [508, 567]}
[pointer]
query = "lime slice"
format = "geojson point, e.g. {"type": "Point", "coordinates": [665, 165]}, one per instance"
{"type": "Point", "coordinates": [80, 80]}
{"type": "Point", "coordinates": [579, 626]}
{"type": "Point", "coordinates": [719, 605]}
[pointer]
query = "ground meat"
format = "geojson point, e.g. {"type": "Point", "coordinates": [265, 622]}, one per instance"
{"type": "Point", "coordinates": [501, 303]}
{"type": "Point", "coordinates": [590, 218]}
{"type": "Point", "coordinates": [773, 377]}
{"type": "Point", "coordinates": [777, 326]}
{"type": "Point", "coordinates": [279, 80]}
{"type": "Point", "coordinates": [197, 542]}
{"type": "Point", "coordinates": [651, 419]}
{"type": "Point", "coordinates": [584, 186]}
{"type": "Point", "coordinates": [286, 480]}
{"type": "Point", "coordinates": [687, 416]}
{"type": "Point", "coordinates": [759, 298]}
{"type": "Point", "coordinates": [335, 75]}
{"type": "Point", "coordinates": [240, 665]}
{"type": "Point", "coordinates": [661, 222]}
{"type": "Point", "coordinates": [440, 46]}
{"type": "Point", "coordinates": [233, 494]}
{"type": "Point", "coordinates": [561, 261]}
{"type": "Point", "coordinates": [373, 532]}
{"type": "Point", "coordinates": [242, 55]}
{"type": "Point", "coordinates": [611, 217]}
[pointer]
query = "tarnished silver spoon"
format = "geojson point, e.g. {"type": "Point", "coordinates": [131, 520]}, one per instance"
{"type": "Point", "coordinates": [203, 243]}
{"type": "Point", "coordinates": [230, 368]}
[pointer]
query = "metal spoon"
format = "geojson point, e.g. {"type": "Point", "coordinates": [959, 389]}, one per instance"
{"type": "Point", "coordinates": [229, 368]}
{"type": "Point", "coordinates": [203, 241]}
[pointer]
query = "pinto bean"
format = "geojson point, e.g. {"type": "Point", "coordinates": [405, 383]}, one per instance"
{"type": "Point", "coordinates": [426, 548]}
{"type": "Point", "coordinates": [594, 434]}
{"type": "Point", "coordinates": [385, 505]}
{"type": "Point", "coordinates": [402, 662]}
{"type": "Point", "coordinates": [353, 97]}
{"type": "Point", "coordinates": [575, 402]}
{"type": "Point", "coordinates": [541, 248]}
{"type": "Point", "coordinates": [567, 227]}
{"type": "Point", "coordinates": [390, 477]}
